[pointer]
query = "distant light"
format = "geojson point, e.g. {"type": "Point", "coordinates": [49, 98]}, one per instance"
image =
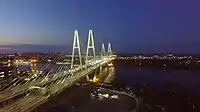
{"type": "Point", "coordinates": [106, 95]}
{"type": "Point", "coordinates": [35, 75]}
{"type": "Point", "coordinates": [115, 97]}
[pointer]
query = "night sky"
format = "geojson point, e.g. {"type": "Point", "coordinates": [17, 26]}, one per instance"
{"type": "Point", "coordinates": [132, 26]}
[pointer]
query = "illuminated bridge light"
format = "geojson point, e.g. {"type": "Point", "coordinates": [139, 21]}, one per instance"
{"type": "Point", "coordinates": [95, 79]}
{"type": "Point", "coordinates": [110, 65]}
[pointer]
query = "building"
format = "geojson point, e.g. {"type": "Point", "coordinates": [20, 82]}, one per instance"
{"type": "Point", "coordinates": [7, 72]}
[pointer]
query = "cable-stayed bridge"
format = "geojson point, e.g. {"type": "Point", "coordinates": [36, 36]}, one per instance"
{"type": "Point", "coordinates": [63, 76]}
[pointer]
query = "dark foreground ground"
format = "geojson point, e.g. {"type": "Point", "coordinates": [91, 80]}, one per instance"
{"type": "Point", "coordinates": [79, 99]}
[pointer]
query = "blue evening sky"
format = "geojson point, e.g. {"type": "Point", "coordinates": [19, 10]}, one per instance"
{"type": "Point", "coordinates": [132, 26]}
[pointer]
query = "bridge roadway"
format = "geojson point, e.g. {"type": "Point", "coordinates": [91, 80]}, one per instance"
{"type": "Point", "coordinates": [17, 90]}
{"type": "Point", "coordinates": [31, 101]}
{"type": "Point", "coordinates": [110, 76]}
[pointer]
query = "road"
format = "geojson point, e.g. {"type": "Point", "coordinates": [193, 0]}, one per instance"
{"type": "Point", "coordinates": [20, 89]}
{"type": "Point", "coordinates": [30, 102]}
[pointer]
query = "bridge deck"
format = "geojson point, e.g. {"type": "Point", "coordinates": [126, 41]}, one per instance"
{"type": "Point", "coordinates": [30, 102]}
{"type": "Point", "coordinates": [14, 91]}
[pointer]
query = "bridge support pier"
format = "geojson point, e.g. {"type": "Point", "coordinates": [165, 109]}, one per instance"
{"type": "Point", "coordinates": [100, 69]}
{"type": "Point", "coordinates": [10, 101]}
{"type": "Point", "coordinates": [36, 110]}
{"type": "Point", "coordinates": [5, 103]}
{"type": "Point", "coordinates": [87, 78]}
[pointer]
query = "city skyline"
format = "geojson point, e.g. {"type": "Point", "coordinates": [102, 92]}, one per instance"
{"type": "Point", "coordinates": [142, 26]}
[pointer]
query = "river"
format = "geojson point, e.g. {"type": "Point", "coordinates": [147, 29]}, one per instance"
{"type": "Point", "coordinates": [157, 77]}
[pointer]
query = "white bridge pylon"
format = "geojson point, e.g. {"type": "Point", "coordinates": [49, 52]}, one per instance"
{"type": "Point", "coordinates": [103, 51]}
{"type": "Point", "coordinates": [90, 46]}
{"type": "Point", "coordinates": [109, 49]}
{"type": "Point", "coordinates": [76, 45]}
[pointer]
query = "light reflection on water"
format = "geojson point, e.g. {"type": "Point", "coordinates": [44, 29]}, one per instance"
{"type": "Point", "coordinates": [106, 75]}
